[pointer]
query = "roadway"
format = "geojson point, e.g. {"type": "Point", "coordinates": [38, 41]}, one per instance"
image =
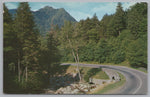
{"type": "Point", "coordinates": [136, 81]}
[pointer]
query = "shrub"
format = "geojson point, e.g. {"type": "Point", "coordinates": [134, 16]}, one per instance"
{"type": "Point", "coordinates": [90, 73]}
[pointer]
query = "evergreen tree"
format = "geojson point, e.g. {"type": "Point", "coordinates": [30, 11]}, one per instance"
{"type": "Point", "coordinates": [9, 51]}
{"type": "Point", "coordinates": [104, 25]}
{"type": "Point", "coordinates": [27, 42]}
{"type": "Point", "coordinates": [101, 51]}
{"type": "Point", "coordinates": [137, 20]}
{"type": "Point", "coordinates": [94, 21]}
{"type": "Point", "coordinates": [137, 53]}
{"type": "Point", "coordinates": [54, 54]}
{"type": "Point", "coordinates": [118, 21]}
{"type": "Point", "coordinates": [9, 36]}
{"type": "Point", "coordinates": [137, 24]}
{"type": "Point", "coordinates": [93, 33]}
{"type": "Point", "coordinates": [7, 16]}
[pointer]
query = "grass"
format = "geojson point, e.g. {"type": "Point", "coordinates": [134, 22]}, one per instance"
{"type": "Point", "coordinates": [72, 69]}
{"type": "Point", "coordinates": [112, 86]}
{"type": "Point", "coordinates": [127, 65]}
{"type": "Point", "coordinates": [101, 75]}
{"type": "Point", "coordinates": [84, 70]}
{"type": "Point", "coordinates": [140, 69]}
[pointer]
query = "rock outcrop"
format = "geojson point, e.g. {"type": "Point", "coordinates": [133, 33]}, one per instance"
{"type": "Point", "coordinates": [69, 83]}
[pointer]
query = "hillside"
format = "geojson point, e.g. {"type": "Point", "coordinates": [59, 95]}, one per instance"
{"type": "Point", "coordinates": [46, 16]}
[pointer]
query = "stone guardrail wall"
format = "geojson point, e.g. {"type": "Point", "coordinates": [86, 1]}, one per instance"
{"type": "Point", "coordinates": [113, 76]}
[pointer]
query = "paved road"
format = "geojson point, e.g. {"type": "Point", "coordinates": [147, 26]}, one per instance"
{"type": "Point", "coordinates": [136, 81]}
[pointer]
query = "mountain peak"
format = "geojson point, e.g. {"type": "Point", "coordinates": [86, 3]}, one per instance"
{"type": "Point", "coordinates": [47, 15]}
{"type": "Point", "coordinates": [48, 7]}
{"type": "Point", "coordinates": [62, 9]}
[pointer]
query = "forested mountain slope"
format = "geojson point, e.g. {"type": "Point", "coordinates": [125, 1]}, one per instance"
{"type": "Point", "coordinates": [48, 16]}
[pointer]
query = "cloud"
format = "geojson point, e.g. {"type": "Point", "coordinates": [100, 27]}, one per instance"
{"type": "Point", "coordinates": [108, 8]}
{"type": "Point", "coordinates": [80, 15]}
{"type": "Point", "coordinates": [103, 8]}
{"type": "Point", "coordinates": [11, 5]}
{"type": "Point", "coordinates": [79, 10]}
{"type": "Point", "coordinates": [126, 5]}
{"type": "Point", "coordinates": [36, 5]}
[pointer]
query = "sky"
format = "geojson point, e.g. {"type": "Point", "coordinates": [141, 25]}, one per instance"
{"type": "Point", "coordinates": [78, 10]}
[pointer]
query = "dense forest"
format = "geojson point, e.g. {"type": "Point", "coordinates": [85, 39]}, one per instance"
{"type": "Point", "coordinates": [30, 58]}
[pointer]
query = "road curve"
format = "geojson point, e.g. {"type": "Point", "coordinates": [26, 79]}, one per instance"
{"type": "Point", "coordinates": [136, 81]}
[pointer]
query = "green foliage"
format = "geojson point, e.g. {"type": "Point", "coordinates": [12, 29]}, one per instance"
{"type": "Point", "coordinates": [49, 53]}
{"type": "Point", "coordinates": [7, 15]}
{"type": "Point", "coordinates": [34, 83]}
{"type": "Point", "coordinates": [137, 53]}
{"type": "Point", "coordinates": [112, 86]}
{"type": "Point", "coordinates": [105, 25]}
{"type": "Point", "coordinates": [137, 20]}
{"type": "Point", "coordinates": [100, 75]}
{"type": "Point", "coordinates": [9, 52]}
{"type": "Point", "coordinates": [117, 23]}
{"type": "Point", "coordinates": [23, 55]}
{"type": "Point", "coordinates": [9, 36]}
{"type": "Point", "coordinates": [87, 52]}
{"type": "Point", "coordinates": [91, 73]}
{"type": "Point", "coordinates": [118, 57]}
{"type": "Point", "coordinates": [101, 51]}
{"type": "Point", "coordinates": [93, 35]}
{"type": "Point", "coordinates": [27, 36]}
{"type": "Point", "coordinates": [100, 45]}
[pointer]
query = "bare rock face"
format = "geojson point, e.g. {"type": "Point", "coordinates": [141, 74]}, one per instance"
{"type": "Point", "coordinates": [81, 88]}
{"type": "Point", "coordinates": [69, 83]}
{"type": "Point", "coordinates": [48, 91]}
{"type": "Point", "coordinates": [59, 81]}
{"type": "Point", "coordinates": [100, 81]}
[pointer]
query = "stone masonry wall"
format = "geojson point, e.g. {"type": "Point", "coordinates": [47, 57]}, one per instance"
{"type": "Point", "coordinates": [113, 76]}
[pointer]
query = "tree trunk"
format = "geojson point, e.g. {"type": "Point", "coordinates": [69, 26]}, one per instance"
{"type": "Point", "coordinates": [119, 32]}
{"type": "Point", "coordinates": [72, 51]}
{"type": "Point", "coordinates": [18, 67]}
{"type": "Point", "coordinates": [77, 62]}
{"type": "Point", "coordinates": [75, 57]}
{"type": "Point", "coordinates": [78, 67]}
{"type": "Point", "coordinates": [26, 74]}
{"type": "Point", "coordinates": [23, 76]}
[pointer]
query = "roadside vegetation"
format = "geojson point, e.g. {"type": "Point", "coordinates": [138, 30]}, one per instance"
{"type": "Point", "coordinates": [88, 72]}
{"type": "Point", "coordinates": [98, 74]}
{"type": "Point", "coordinates": [112, 86]}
